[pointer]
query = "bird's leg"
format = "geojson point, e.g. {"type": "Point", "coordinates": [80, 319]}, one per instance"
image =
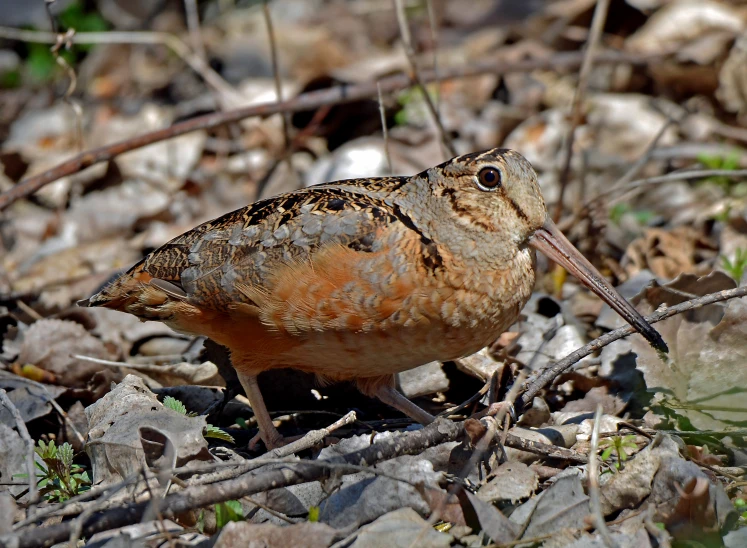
{"type": "Point", "coordinates": [267, 430]}
{"type": "Point", "coordinates": [386, 392]}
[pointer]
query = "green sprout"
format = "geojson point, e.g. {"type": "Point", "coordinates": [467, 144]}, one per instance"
{"type": "Point", "coordinates": [228, 511]}
{"type": "Point", "coordinates": [724, 163]}
{"type": "Point", "coordinates": [620, 446]}
{"type": "Point", "coordinates": [58, 478]}
{"type": "Point", "coordinates": [737, 267]}
{"type": "Point", "coordinates": [210, 432]}
{"type": "Point", "coordinates": [618, 211]}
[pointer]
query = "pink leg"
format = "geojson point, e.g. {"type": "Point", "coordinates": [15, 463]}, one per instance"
{"type": "Point", "coordinates": [267, 430]}
{"type": "Point", "coordinates": [383, 388]}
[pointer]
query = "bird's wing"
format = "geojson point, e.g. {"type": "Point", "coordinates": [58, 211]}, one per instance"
{"type": "Point", "coordinates": [311, 259]}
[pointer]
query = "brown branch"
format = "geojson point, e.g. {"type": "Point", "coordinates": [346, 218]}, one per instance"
{"type": "Point", "coordinates": [636, 186]}
{"type": "Point", "coordinates": [306, 101]}
{"type": "Point", "coordinates": [283, 475]}
{"type": "Point", "coordinates": [592, 474]}
{"type": "Point", "coordinates": [597, 24]}
{"type": "Point", "coordinates": [175, 44]}
{"type": "Point", "coordinates": [6, 402]}
{"type": "Point", "coordinates": [544, 449]}
{"type": "Point", "coordinates": [203, 495]}
{"type": "Point", "coordinates": [384, 130]}
{"type": "Point", "coordinates": [404, 31]}
{"type": "Point", "coordinates": [276, 76]}
{"type": "Point", "coordinates": [547, 375]}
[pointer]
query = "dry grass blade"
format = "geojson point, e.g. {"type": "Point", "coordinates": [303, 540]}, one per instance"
{"type": "Point", "coordinates": [597, 25]}
{"type": "Point", "coordinates": [592, 472]}
{"type": "Point", "coordinates": [307, 101]}
{"type": "Point", "coordinates": [24, 433]}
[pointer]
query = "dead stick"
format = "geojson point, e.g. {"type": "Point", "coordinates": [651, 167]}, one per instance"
{"type": "Point", "coordinates": [203, 495]}
{"type": "Point", "coordinates": [547, 375]}
{"type": "Point", "coordinates": [592, 473]}
{"type": "Point", "coordinates": [404, 31]}
{"type": "Point", "coordinates": [597, 24]}
{"type": "Point", "coordinates": [290, 473]}
{"type": "Point", "coordinates": [6, 402]}
{"type": "Point", "coordinates": [306, 101]}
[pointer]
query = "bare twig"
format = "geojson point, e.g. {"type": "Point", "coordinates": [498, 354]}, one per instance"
{"type": "Point", "coordinates": [75, 506]}
{"type": "Point", "coordinates": [276, 75]}
{"type": "Point", "coordinates": [434, 45]}
{"type": "Point", "coordinates": [384, 129]}
{"type": "Point", "coordinates": [597, 24]}
{"type": "Point", "coordinates": [24, 433]}
{"type": "Point", "coordinates": [310, 439]}
{"type": "Point", "coordinates": [645, 157]}
{"type": "Point", "coordinates": [636, 186]}
{"type": "Point", "coordinates": [592, 473]}
{"type": "Point", "coordinates": [50, 399]}
{"type": "Point", "coordinates": [65, 40]}
{"type": "Point", "coordinates": [544, 449]}
{"type": "Point", "coordinates": [203, 495]}
{"type": "Point", "coordinates": [550, 372]}
{"type": "Point", "coordinates": [404, 31]}
{"type": "Point", "coordinates": [182, 50]}
{"type": "Point", "coordinates": [306, 101]}
{"type": "Point", "coordinates": [477, 396]}
{"type": "Point", "coordinates": [109, 491]}
{"type": "Point", "coordinates": [193, 24]}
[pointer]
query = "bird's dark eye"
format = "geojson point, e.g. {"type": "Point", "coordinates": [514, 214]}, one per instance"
{"type": "Point", "coordinates": [489, 179]}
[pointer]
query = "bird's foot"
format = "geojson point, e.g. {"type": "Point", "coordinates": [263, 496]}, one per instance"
{"type": "Point", "coordinates": [273, 441]}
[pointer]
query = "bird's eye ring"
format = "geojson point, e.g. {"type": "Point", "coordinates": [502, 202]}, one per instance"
{"type": "Point", "coordinates": [489, 179]}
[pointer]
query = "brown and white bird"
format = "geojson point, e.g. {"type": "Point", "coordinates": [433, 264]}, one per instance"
{"type": "Point", "coordinates": [364, 278]}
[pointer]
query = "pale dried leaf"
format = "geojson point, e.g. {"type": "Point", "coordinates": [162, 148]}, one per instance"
{"type": "Point", "coordinates": [512, 481]}
{"type": "Point", "coordinates": [50, 344]}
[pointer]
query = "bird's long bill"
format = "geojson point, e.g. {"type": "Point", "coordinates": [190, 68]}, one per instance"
{"type": "Point", "coordinates": [550, 241]}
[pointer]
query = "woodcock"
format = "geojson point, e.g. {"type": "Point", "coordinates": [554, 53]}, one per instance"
{"type": "Point", "coordinates": [364, 278]}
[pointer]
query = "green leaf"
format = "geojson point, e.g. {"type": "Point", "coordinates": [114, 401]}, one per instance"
{"type": "Point", "coordinates": [201, 521]}
{"type": "Point", "coordinates": [176, 405]}
{"type": "Point", "coordinates": [75, 17]}
{"type": "Point", "coordinates": [217, 433]}
{"type": "Point", "coordinates": [65, 453]}
{"type": "Point", "coordinates": [617, 211]}
{"type": "Point", "coordinates": [736, 268]}
{"type": "Point", "coordinates": [314, 512]}
{"type": "Point", "coordinates": [228, 511]}
{"type": "Point", "coordinates": [607, 453]}
{"type": "Point", "coordinates": [40, 62]}
{"type": "Point", "coordinates": [10, 79]}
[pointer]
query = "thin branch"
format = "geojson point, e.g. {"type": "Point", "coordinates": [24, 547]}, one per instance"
{"type": "Point", "coordinates": [544, 449]}
{"type": "Point", "coordinates": [276, 75]}
{"type": "Point", "coordinates": [637, 186]}
{"type": "Point", "coordinates": [592, 473]}
{"type": "Point", "coordinates": [175, 44]}
{"type": "Point", "coordinates": [597, 24]}
{"type": "Point", "coordinates": [404, 31]}
{"type": "Point", "coordinates": [51, 401]}
{"type": "Point", "coordinates": [193, 24]}
{"type": "Point", "coordinates": [433, 24]}
{"type": "Point", "coordinates": [6, 402]}
{"type": "Point", "coordinates": [309, 439]}
{"type": "Point", "coordinates": [645, 157]}
{"type": "Point", "coordinates": [384, 130]}
{"type": "Point", "coordinates": [306, 101]}
{"type": "Point", "coordinates": [65, 40]}
{"type": "Point", "coordinates": [550, 372]}
{"type": "Point", "coordinates": [282, 476]}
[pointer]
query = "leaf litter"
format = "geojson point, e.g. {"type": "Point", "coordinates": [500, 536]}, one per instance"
{"type": "Point", "coordinates": [123, 394]}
